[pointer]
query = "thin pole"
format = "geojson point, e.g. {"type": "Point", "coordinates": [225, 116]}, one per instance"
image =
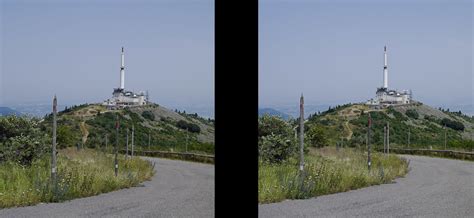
{"type": "Point", "coordinates": [53, 154]}
{"type": "Point", "coordinates": [187, 140]}
{"type": "Point", "coordinates": [444, 136]}
{"type": "Point", "coordinates": [133, 135]}
{"type": "Point", "coordinates": [116, 144]}
{"type": "Point", "coordinates": [301, 133]}
{"type": "Point", "coordinates": [384, 139]}
{"type": "Point", "coordinates": [126, 150]}
{"type": "Point", "coordinates": [106, 143]}
{"type": "Point", "coordinates": [408, 138]}
{"type": "Point", "coordinates": [149, 141]}
{"type": "Point", "coordinates": [388, 138]}
{"type": "Point", "coordinates": [368, 142]}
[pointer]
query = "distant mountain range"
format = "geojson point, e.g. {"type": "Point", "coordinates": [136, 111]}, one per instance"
{"type": "Point", "coordinates": [5, 111]}
{"type": "Point", "coordinates": [273, 112]}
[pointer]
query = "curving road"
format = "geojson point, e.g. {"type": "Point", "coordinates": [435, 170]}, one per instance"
{"type": "Point", "coordinates": [178, 189]}
{"type": "Point", "coordinates": [434, 187]}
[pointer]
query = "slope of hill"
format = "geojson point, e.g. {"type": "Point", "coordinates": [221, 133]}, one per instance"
{"type": "Point", "coordinates": [5, 111]}
{"type": "Point", "coordinates": [93, 124]}
{"type": "Point", "coordinates": [424, 124]}
{"type": "Point", "coordinates": [273, 112]}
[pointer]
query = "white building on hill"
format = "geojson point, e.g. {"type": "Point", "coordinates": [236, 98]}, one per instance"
{"type": "Point", "coordinates": [123, 98]}
{"type": "Point", "coordinates": [386, 97]}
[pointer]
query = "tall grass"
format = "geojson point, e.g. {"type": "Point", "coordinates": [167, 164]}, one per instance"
{"type": "Point", "coordinates": [326, 171]}
{"type": "Point", "coordinates": [80, 174]}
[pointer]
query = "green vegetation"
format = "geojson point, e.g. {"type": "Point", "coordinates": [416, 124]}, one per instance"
{"type": "Point", "coordinates": [80, 174]}
{"type": "Point", "coordinates": [164, 133]}
{"type": "Point", "coordinates": [326, 171]}
{"type": "Point", "coordinates": [412, 113]}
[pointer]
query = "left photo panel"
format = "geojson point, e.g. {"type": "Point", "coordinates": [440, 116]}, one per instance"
{"type": "Point", "coordinates": [107, 108]}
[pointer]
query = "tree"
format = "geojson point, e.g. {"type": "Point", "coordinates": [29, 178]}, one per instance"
{"type": "Point", "coordinates": [317, 136]}
{"type": "Point", "coordinates": [65, 136]}
{"type": "Point", "coordinates": [275, 148]}
{"type": "Point", "coordinates": [268, 125]}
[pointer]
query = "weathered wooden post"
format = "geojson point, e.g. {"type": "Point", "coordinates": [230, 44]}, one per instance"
{"type": "Point", "coordinates": [126, 150]}
{"type": "Point", "coordinates": [301, 133]}
{"type": "Point", "coordinates": [388, 138]}
{"type": "Point", "coordinates": [445, 137]}
{"type": "Point", "coordinates": [384, 139]}
{"type": "Point", "coordinates": [368, 142]}
{"type": "Point", "coordinates": [53, 152]}
{"type": "Point", "coordinates": [116, 144]}
{"type": "Point", "coordinates": [133, 135]}
{"type": "Point", "coordinates": [408, 144]}
{"type": "Point", "coordinates": [106, 143]}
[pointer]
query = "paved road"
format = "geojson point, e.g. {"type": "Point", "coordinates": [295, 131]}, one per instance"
{"type": "Point", "coordinates": [434, 187]}
{"type": "Point", "coordinates": [178, 189]}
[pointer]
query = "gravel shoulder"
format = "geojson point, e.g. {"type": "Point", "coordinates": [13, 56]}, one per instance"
{"type": "Point", "coordinates": [178, 189]}
{"type": "Point", "coordinates": [434, 187]}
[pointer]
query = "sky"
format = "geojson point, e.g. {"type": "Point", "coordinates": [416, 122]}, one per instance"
{"type": "Point", "coordinates": [72, 48]}
{"type": "Point", "coordinates": [332, 51]}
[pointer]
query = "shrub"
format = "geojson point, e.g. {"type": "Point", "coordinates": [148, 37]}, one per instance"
{"type": "Point", "coordinates": [275, 148]}
{"type": "Point", "coordinates": [148, 115]}
{"type": "Point", "coordinates": [191, 127]}
{"type": "Point", "coordinates": [317, 136]}
{"type": "Point", "coordinates": [268, 125]}
{"type": "Point", "coordinates": [456, 125]}
{"type": "Point", "coordinates": [412, 113]}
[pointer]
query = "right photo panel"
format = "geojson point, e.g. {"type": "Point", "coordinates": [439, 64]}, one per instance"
{"type": "Point", "coordinates": [366, 108]}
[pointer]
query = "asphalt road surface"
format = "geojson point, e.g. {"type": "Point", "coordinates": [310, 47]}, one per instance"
{"type": "Point", "coordinates": [434, 187]}
{"type": "Point", "coordinates": [178, 189]}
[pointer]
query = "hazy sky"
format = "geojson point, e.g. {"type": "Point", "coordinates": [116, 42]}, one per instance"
{"type": "Point", "coordinates": [72, 48]}
{"type": "Point", "coordinates": [332, 51]}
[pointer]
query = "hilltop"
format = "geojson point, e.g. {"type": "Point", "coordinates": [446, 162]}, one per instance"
{"type": "Point", "coordinates": [349, 124]}
{"type": "Point", "coordinates": [90, 124]}
{"type": "Point", "coordinates": [6, 111]}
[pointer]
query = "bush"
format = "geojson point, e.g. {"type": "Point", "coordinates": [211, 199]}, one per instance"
{"type": "Point", "coordinates": [275, 148]}
{"type": "Point", "coordinates": [148, 115]}
{"type": "Point", "coordinates": [412, 113]}
{"type": "Point", "coordinates": [456, 125]}
{"type": "Point", "coordinates": [317, 136]}
{"type": "Point", "coordinates": [191, 127]}
{"type": "Point", "coordinates": [21, 140]}
{"type": "Point", "coordinates": [268, 125]}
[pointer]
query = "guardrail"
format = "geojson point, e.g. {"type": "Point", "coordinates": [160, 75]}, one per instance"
{"type": "Point", "coordinates": [463, 155]}
{"type": "Point", "coordinates": [205, 158]}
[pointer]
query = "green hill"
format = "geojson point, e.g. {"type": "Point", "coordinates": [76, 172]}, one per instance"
{"type": "Point", "coordinates": [90, 124]}
{"type": "Point", "coordinates": [348, 123]}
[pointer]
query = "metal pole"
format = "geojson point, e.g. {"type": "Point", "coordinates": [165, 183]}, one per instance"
{"type": "Point", "coordinates": [444, 127]}
{"type": "Point", "coordinates": [384, 139]}
{"type": "Point", "coordinates": [149, 142]}
{"type": "Point", "coordinates": [133, 135]}
{"type": "Point", "coordinates": [408, 138]}
{"type": "Point", "coordinates": [126, 150]}
{"type": "Point", "coordinates": [388, 138]}
{"type": "Point", "coordinates": [116, 144]}
{"type": "Point", "coordinates": [301, 133]}
{"type": "Point", "coordinates": [186, 140]}
{"type": "Point", "coordinates": [53, 153]}
{"type": "Point", "coordinates": [368, 142]}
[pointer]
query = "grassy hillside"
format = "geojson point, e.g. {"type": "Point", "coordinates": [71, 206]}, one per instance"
{"type": "Point", "coordinates": [348, 123]}
{"type": "Point", "coordinates": [90, 125]}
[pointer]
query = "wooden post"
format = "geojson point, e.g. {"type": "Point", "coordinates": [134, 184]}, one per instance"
{"type": "Point", "coordinates": [106, 143]}
{"type": "Point", "coordinates": [126, 149]}
{"type": "Point", "coordinates": [445, 137]}
{"type": "Point", "coordinates": [116, 143]}
{"type": "Point", "coordinates": [388, 138]}
{"type": "Point", "coordinates": [301, 133]}
{"type": "Point", "coordinates": [187, 133]}
{"type": "Point", "coordinates": [408, 144]}
{"type": "Point", "coordinates": [53, 153]}
{"type": "Point", "coordinates": [149, 142]}
{"type": "Point", "coordinates": [133, 135]}
{"type": "Point", "coordinates": [368, 142]}
{"type": "Point", "coordinates": [384, 139]}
